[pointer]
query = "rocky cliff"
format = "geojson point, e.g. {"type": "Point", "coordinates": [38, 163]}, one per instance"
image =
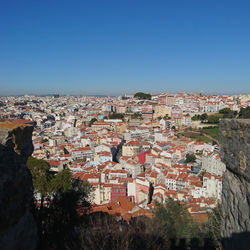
{"type": "Point", "coordinates": [17, 226]}
{"type": "Point", "coordinates": [235, 152]}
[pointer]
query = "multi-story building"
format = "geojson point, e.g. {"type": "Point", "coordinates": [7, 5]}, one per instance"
{"type": "Point", "coordinates": [118, 190]}
{"type": "Point", "coordinates": [212, 164]}
{"type": "Point", "coordinates": [131, 148]}
{"type": "Point", "coordinates": [213, 186]}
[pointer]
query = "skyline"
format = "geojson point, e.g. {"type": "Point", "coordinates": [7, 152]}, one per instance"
{"type": "Point", "coordinates": [204, 93]}
{"type": "Point", "coordinates": [118, 47]}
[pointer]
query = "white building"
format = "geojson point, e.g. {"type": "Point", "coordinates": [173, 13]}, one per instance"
{"type": "Point", "coordinates": [171, 181]}
{"type": "Point", "coordinates": [132, 167]}
{"type": "Point", "coordinates": [213, 186]}
{"type": "Point", "coordinates": [212, 164]}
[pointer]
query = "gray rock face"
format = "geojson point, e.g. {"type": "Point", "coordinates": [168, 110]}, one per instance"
{"type": "Point", "coordinates": [17, 226]}
{"type": "Point", "coordinates": [235, 153]}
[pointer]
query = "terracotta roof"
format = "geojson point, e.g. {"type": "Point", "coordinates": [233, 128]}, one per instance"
{"type": "Point", "coordinates": [125, 203]}
{"type": "Point", "coordinates": [54, 163]}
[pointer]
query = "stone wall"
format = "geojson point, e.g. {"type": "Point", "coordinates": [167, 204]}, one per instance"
{"type": "Point", "coordinates": [235, 153]}
{"type": "Point", "coordinates": [17, 226]}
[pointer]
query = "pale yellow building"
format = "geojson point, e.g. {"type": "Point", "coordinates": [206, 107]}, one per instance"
{"type": "Point", "coordinates": [131, 148]}
{"type": "Point", "coordinates": [162, 111]}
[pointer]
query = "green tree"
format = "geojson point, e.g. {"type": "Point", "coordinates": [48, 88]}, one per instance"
{"type": "Point", "coordinates": [143, 96]}
{"type": "Point", "coordinates": [190, 158]}
{"type": "Point", "coordinates": [214, 118]}
{"type": "Point", "coordinates": [92, 121]}
{"type": "Point", "coordinates": [195, 118]}
{"type": "Point", "coordinates": [136, 115]}
{"type": "Point", "coordinates": [41, 177]}
{"type": "Point", "coordinates": [225, 111]}
{"type": "Point", "coordinates": [175, 219]}
{"type": "Point", "coordinates": [228, 113]}
{"type": "Point", "coordinates": [116, 116]}
{"type": "Point", "coordinates": [62, 216]}
{"type": "Point", "coordinates": [204, 117]}
{"type": "Point", "coordinates": [244, 113]}
{"type": "Point", "coordinates": [62, 181]}
{"type": "Point", "coordinates": [213, 226]}
{"type": "Point", "coordinates": [63, 196]}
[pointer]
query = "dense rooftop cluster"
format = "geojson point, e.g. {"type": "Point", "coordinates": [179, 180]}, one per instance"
{"type": "Point", "coordinates": [132, 151]}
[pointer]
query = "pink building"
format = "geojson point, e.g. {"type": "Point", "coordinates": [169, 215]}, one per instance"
{"type": "Point", "coordinates": [118, 190]}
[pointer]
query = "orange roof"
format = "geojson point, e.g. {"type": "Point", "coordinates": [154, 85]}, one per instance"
{"type": "Point", "coordinates": [120, 171]}
{"type": "Point", "coordinates": [133, 144]}
{"type": "Point", "coordinates": [115, 208]}
{"type": "Point", "coordinates": [206, 175]}
{"type": "Point", "coordinates": [54, 163]}
{"type": "Point", "coordinates": [141, 175]}
{"type": "Point", "coordinates": [172, 176]}
{"type": "Point", "coordinates": [125, 203]}
{"type": "Point", "coordinates": [85, 176]}
{"type": "Point", "coordinates": [82, 149]}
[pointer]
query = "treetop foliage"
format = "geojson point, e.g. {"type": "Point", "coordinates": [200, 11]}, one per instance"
{"type": "Point", "coordinates": [172, 227]}
{"type": "Point", "coordinates": [62, 181]}
{"type": "Point", "coordinates": [136, 115]}
{"type": "Point", "coordinates": [175, 218]}
{"type": "Point", "coordinates": [41, 176]}
{"type": "Point", "coordinates": [190, 158]}
{"type": "Point", "coordinates": [143, 96]}
{"type": "Point", "coordinates": [56, 214]}
{"type": "Point", "coordinates": [214, 119]}
{"type": "Point", "coordinates": [244, 113]}
{"type": "Point", "coordinates": [202, 117]}
{"type": "Point", "coordinates": [225, 111]}
{"type": "Point", "coordinates": [116, 116]}
{"type": "Point", "coordinates": [228, 113]}
{"type": "Point", "coordinates": [92, 121]}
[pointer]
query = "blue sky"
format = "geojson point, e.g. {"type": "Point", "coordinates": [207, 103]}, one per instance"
{"type": "Point", "coordinates": [124, 46]}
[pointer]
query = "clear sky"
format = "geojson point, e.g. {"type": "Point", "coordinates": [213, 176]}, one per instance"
{"type": "Point", "coordinates": [124, 46]}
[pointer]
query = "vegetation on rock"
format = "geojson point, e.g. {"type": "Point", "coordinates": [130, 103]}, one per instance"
{"type": "Point", "coordinates": [244, 113]}
{"type": "Point", "coordinates": [228, 113]}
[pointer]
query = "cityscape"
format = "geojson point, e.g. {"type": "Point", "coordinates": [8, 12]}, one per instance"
{"type": "Point", "coordinates": [124, 125]}
{"type": "Point", "coordinates": [139, 148]}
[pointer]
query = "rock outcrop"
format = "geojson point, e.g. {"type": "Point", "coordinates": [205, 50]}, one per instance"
{"type": "Point", "coordinates": [235, 153]}
{"type": "Point", "coordinates": [17, 226]}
